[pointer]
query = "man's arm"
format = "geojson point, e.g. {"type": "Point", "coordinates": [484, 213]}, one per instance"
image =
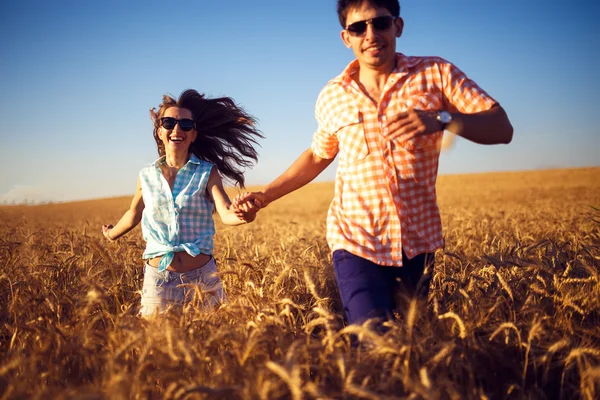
{"type": "Point", "coordinates": [306, 168]}
{"type": "Point", "coordinates": [485, 127]}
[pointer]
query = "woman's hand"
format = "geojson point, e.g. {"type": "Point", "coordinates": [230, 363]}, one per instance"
{"type": "Point", "coordinates": [245, 208]}
{"type": "Point", "coordinates": [106, 232]}
{"type": "Point", "coordinates": [255, 198]}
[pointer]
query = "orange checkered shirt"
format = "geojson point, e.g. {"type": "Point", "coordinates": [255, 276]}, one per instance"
{"type": "Point", "coordinates": [385, 198]}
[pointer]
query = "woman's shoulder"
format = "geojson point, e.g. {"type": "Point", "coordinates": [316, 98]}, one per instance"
{"type": "Point", "coordinates": [150, 167]}
{"type": "Point", "coordinates": [200, 163]}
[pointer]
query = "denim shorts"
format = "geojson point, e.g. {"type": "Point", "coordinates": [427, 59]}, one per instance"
{"type": "Point", "coordinates": [167, 289]}
{"type": "Point", "coordinates": [369, 290]}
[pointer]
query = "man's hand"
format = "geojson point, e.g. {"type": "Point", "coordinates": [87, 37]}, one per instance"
{"type": "Point", "coordinates": [411, 124]}
{"type": "Point", "coordinates": [256, 198]}
{"type": "Point", "coordinates": [245, 206]}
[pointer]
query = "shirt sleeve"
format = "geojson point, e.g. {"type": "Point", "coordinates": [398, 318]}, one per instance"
{"type": "Point", "coordinates": [462, 93]}
{"type": "Point", "coordinates": [324, 142]}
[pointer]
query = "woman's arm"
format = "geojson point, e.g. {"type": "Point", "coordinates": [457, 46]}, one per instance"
{"type": "Point", "coordinates": [229, 216]}
{"type": "Point", "coordinates": [302, 171]}
{"type": "Point", "coordinates": [129, 220]}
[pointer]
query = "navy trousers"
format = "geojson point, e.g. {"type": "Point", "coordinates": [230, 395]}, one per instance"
{"type": "Point", "coordinates": [369, 290]}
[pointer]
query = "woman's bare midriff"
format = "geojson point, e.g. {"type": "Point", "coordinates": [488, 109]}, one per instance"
{"type": "Point", "coordinates": [183, 262]}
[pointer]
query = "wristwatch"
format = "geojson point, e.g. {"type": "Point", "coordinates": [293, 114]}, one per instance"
{"type": "Point", "coordinates": [444, 117]}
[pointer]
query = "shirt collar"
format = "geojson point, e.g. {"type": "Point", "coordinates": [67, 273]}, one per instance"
{"type": "Point", "coordinates": [403, 64]}
{"type": "Point", "coordinates": [193, 159]}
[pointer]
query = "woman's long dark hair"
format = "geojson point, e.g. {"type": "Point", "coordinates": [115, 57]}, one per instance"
{"type": "Point", "coordinates": [226, 133]}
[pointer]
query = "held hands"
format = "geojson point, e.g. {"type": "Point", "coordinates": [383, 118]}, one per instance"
{"type": "Point", "coordinates": [411, 124]}
{"type": "Point", "coordinates": [106, 232]}
{"type": "Point", "coordinates": [246, 205]}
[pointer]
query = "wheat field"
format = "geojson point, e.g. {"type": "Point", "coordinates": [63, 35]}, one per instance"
{"type": "Point", "coordinates": [514, 309]}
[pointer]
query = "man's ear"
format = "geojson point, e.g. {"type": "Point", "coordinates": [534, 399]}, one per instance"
{"type": "Point", "coordinates": [345, 38]}
{"type": "Point", "coordinates": [399, 23]}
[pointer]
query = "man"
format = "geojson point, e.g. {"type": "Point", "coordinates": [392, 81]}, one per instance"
{"type": "Point", "coordinates": [385, 116]}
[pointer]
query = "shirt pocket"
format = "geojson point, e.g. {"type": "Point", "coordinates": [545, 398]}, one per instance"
{"type": "Point", "coordinates": [351, 137]}
{"type": "Point", "coordinates": [425, 102]}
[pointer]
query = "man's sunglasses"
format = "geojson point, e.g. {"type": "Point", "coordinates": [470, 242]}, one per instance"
{"type": "Point", "coordinates": [170, 122]}
{"type": "Point", "coordinates": [379, 24]}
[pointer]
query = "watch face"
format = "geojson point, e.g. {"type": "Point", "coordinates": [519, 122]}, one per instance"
{"type": "Point", "coordinates": [444, 117]}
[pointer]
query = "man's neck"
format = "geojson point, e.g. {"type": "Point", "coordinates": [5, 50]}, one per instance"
{"type": "Point", "coordinates": [372, 81]}
{"type": "Point", "coordinates": [372, 78]}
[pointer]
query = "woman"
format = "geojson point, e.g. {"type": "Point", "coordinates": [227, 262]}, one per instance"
{"type": "Point", "coordinates": [198, 139]}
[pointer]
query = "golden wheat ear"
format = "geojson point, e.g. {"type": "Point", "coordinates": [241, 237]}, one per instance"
{"type": "Point", "coordinates": [447, 141]}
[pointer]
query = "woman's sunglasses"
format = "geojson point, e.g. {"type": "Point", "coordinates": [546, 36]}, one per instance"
{"type": "Point", "coordinates": [379, 24]}
{"type": "Point", "coordinates": [170, 122]}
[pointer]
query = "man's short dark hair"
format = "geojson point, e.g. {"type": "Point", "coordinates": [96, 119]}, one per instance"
{"type": "Point", "coordinates": [343, 6]}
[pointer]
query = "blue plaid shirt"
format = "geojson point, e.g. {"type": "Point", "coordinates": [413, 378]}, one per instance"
{"type": "Point", "coordinates": [177, 220]}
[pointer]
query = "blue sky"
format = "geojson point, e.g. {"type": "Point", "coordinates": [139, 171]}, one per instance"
{"type": "Point", "coordinates": [78, 78]}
